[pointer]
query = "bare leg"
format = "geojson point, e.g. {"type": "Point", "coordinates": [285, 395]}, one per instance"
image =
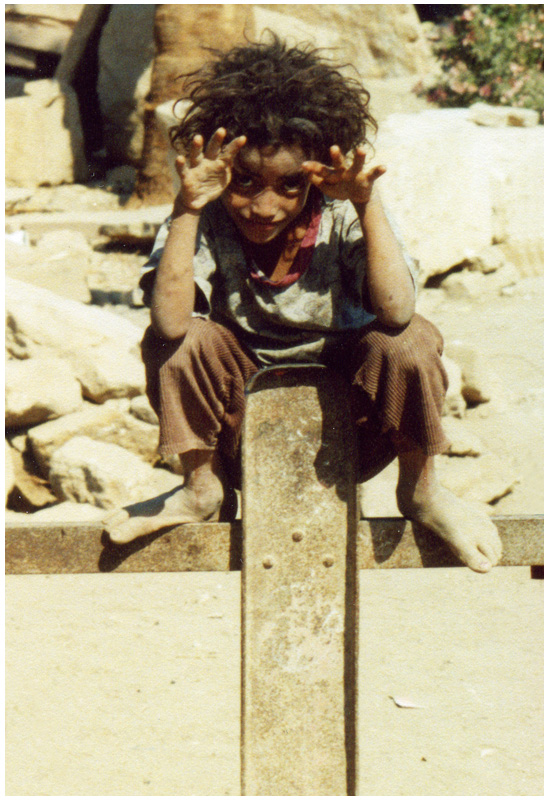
{"type": "Point", "coordinates": [468, 531]}
{"type": "Point", "coordinates": [198, 500]}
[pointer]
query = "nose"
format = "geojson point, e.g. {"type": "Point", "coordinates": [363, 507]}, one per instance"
{"type": "Point", "coordinates": [264, 205]}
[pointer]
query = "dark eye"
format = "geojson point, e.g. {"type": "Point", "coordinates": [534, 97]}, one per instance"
{"type": "Point", "coordinates": [242, 181]}
{"type": "Point", "coordinates": [294, 184]}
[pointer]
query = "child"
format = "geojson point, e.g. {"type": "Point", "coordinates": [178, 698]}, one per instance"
{"type": "Point", "coordinates": [279, 250]}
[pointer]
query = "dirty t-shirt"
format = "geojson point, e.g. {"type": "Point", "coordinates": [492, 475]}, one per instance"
{"type": "Point", "coordinates": [302, 322]}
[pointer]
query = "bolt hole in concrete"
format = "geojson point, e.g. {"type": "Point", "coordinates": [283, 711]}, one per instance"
{"type": "Point", "coordinates": [467, 648]}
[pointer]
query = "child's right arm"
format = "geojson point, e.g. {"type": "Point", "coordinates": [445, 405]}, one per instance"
{"type": "Point", "coordinates": [204, 175]}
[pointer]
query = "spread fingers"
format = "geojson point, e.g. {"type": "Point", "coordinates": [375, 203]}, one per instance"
{"type": "Point", "coordinates": [229, 153]}
{"type": "Point", "coordinates": [195, 151]}
{"type": "Point", "coordinates": [215, 144]}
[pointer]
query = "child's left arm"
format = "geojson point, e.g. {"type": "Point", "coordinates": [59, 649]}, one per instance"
{"type": "Point", "coordinates": [389, 284]}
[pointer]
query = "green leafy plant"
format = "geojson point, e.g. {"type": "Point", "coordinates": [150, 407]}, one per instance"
{"type": "Point", "coordinates": [491, 53]}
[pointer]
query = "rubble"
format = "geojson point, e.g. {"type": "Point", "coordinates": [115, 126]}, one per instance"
{"type": "Point", "coordinates": [40, 389]}
{"type": "Point", "coordinates": [109, 422]}
{"type": "Point", "coordinates": [475, 372]}
{"type": "Point", "coordinates": [102, 347]}
{"type": "Point", "coordinates": [86, 471]}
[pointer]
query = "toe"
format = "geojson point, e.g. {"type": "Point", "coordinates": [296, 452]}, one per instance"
{"type": "Point", "coordinates": [490, 545]}
{"type": "Point", "coordinates": [479, 562]}
{"type": "Point", "coordinates": [113, 524]}
{"type": "Point", "coordinates": [115, 517]}
{"type": "Point", "coordinates": [491, 552]}
{"type": "Point", "coordinates": [474, 558]}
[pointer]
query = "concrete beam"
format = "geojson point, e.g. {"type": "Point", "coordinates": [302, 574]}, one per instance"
{"type": "Point", "coordinates": [383, 543]}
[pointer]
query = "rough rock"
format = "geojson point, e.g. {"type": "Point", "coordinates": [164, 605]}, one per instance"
{"type": "Point", "coordinates": [43, 135]}
{"type": "Point", "coordinates": [46, 28]}
{"type": "Point", "coordinates": [114, 280]}
{"type": "Point", "coordinates": [103, 348]}
{"type": "Point", "coordinates": [438, 220]}
{"type": "Point", "coordinates": [381, 40]}
{"type": "Point", "coordinates": [129, 225]}
{"type": "Point", "coordinates": [473, 187]}
{"type": "Point", "coordinates": [485, 261]}
{"type": "Point", "coordinates": [9, 472]}
{"type": "Point", "coordinates": [429, 301]}
{"type": "Point", "coordinates": [68, 512]}
{"type": "Point", "coordinates": [40, 389]}
{"type": "Point", "coordinates": [502, 116]}
{"type": "Point", "coordinates": [514, 158]}
{"type": "Point", "coordinates": [476, 375]}
{"type": "Point", "coordinates": [89, 198]}
{"type": "Point", "coordinates": [142, 409]}
{"type": "Point", "coordinates": [53, 265]}
{"type": "Point", "coordinates": [482, 480]}
{"type": "Point", "coordinates": [486, 478]}
{"type": "Point", "coordinates": [109, 422]}
{"type": "Point", "coordinates": [105, 475]}
{"type": "Point", "coordinates": [125, 65]}
{"type": "Point", "coordinates": [30, 492]}
{"type": "Point", "coordinates": [465, 284]}
{"type": "Point", "coordinates": [463, 441]}
{"type": "Point", "coordinates": [454, 402]}
{"type": "Point", "coordinates": [64, 240]}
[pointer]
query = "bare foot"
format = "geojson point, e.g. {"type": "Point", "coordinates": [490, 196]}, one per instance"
{"type": "Point", "coordinates": [197, 501]}
{"type": "Point", "coordinates": [466, 529]}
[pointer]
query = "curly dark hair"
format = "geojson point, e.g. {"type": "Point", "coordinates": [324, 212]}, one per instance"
{"type": "Point", "coordinates": [276, 95]}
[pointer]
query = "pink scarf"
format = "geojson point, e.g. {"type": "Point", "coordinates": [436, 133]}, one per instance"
{"type": "Point", "coordinates": [298, 250]}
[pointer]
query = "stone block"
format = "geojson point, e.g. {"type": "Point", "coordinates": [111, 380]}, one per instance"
{"type": "Point", "coordinates": [102, 347]}
{"type": "Point", "coordinates": [502, 116]}
{"type": "Point", "coordinates": [454, 402]}
{"type": "Point", "coordinates": [436, 186]}
{"type": "Point", "coordinates": [380, 40]}
{"type": "Point", "coordinates": [471, 285]}
{"type": "Point", "coordinates": [9, 472]}
{"type": "Point", "coordinates": [67, 512]}
{"type": "Point", "coordinates": [109, 422]}
{"type": "Point", "coordinates": [476, 376]}
{"type": "Point", "coordinates": [463, 442]}
{"type": "Point", "coordinates": [40, 389]}
{"type": "Point", "coordinates": [46, 28]}
{"type": "Point", "coordinates": [86, 471]}
{"type": "Point", "coordinates": [44, 138]}
{"type": "Point", "coordinates": [485, 479]}
{"type": "Point", "coordinates": [30, 492]}
{"type": "Point", "coordinates": [142, 409]}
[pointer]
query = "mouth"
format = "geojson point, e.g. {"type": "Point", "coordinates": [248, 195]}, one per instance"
{"type": "Point", "coordinates": [265, 226]}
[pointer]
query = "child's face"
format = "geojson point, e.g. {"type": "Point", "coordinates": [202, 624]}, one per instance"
{"type": "Point", "coordinates": [267, 191]}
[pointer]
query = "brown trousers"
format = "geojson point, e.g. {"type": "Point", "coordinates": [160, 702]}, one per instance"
{"type": "Point", "coordinates": [196, 386]}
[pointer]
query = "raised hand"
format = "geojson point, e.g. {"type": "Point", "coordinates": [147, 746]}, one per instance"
{"type": "Point", "coordinates": [205, 172]}
{"type": "Point", "coordinates": [342, 180]}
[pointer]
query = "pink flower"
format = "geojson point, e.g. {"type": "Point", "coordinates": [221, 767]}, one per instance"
{"type": "Point", "coordinates": [468, 15]}
{"type": "Point", "coordinates": [485, 91]}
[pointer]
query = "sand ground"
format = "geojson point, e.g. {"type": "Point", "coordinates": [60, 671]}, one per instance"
{"type": "Point", "coordinates": [129, 684]}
